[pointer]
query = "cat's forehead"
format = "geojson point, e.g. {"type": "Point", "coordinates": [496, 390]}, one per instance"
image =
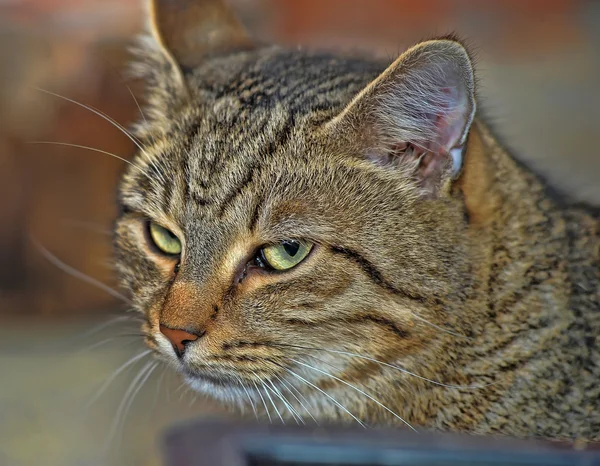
{"type": "Point", "coordinates": [215, 175]}
{"type": "Point", "coordinates": [250, 119]}
{"type": "Point", "coordinates": [269, 77]}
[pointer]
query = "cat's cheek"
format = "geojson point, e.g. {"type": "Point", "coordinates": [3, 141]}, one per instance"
{"type": "Point", "coordinates": [254, 279]}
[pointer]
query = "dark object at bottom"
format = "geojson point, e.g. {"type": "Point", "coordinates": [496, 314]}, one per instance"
{"type": "Point", "coordinates": [220, 443]}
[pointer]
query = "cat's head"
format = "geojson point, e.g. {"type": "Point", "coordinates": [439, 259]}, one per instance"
{"type": "Point", "coordinates": [290, 222]}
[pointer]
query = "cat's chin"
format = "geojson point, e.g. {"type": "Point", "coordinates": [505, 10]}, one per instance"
{"type": "Point", "coordinates": [221, 388]}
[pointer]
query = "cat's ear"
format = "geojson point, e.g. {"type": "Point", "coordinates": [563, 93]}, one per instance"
{"type": "Point", "coordinates": [188, 30]}
{"type": "Point", "coordinates": [416, 114]}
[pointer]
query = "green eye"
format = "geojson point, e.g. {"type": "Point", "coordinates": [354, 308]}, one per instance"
{"type": "Point", "coordinates": [164, 239]}
{"type": "Point", "coordinates": [285, 255]}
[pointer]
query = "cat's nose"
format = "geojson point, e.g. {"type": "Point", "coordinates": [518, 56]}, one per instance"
{"type": "Point", "coordinates": [179, 338]}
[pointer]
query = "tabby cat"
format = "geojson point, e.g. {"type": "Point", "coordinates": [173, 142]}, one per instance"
{"type": "Point", "coordinates": [330, 238]}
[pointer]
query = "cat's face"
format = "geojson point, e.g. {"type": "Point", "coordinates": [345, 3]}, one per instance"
{"type": "Point", "coordinates": [278, 236]}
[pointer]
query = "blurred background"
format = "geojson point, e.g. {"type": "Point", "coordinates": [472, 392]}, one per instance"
{"type": "Point", "coordinates": [539, 69]}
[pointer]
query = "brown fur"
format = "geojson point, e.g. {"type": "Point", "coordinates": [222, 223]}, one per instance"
{"type": "Point", "coordinates": [478, 280]}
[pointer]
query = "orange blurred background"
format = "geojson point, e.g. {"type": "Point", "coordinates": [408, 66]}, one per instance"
{"type": "Point", "coordinates": [65, 196]}
{"type": "Point", "coordinates": [539, 70]}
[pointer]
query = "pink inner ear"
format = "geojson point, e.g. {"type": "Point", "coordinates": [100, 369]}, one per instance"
{"type": "Point", "coordinates": [418, 111]}
{"type": "Point", "coordinates": [449, 128]}
{"type": "Point", "coordinates": [450, 123]}
{"type": "Point", "coordinates": [429, 166]}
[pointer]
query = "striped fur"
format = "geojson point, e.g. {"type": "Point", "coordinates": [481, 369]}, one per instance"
{"type": "Point", "coordinates": [489, 289]}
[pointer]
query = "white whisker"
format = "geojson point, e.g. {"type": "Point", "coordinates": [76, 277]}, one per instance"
{"type": "Point", "coordinates": [100, 327]}
{"type": "Point", "coordinates": [98, 113]}
{"type": "Point", "coordinates": [272, 402]}
{"type": "Point", "coordinates": [184, 392]}
{"type": "Point", "coordinates": [108, 340]}
{"type": "Point", "coordinates": [136, 103]}
{"type": "Point", "coordinates": [132, 388]}
{"type": "Point", "coordinates": [193, 400]}
{"type": "Point", "coordinates": [158, 387]}
{"type": "Point", "coordinates": [139, 107]}
{"type": "Point", "coordinates": [76, 273]}
{"type": "Point", "coordinates": [405, 371]}
{"type": "Point", "coordinates": [355, 388]}
{"type": "Point", "coordinates": [79, 146]}
{"type": "Point", "coordinates": [114, 375]}
{"type": "Point", "coordinates": [154, 163]}
{"type": "Point", "coordinates": [262, 399]}
{"type": "Point", "coordinates": [141, 383]}
{"type": "Point", "coordinates": [326, 394]}
{"type": "Point", "coordinates": [418, 317]}
{"type": "Point", "coordinates": [182, 385]}
{"type": "Point", "coordinates": [250, 399]}
{"type": "Point", "coordinates": [286, 403]}
{"type": "Point", "coordinates": [291, 389]}
{"type": "Point", "coordinates": [114, 123]}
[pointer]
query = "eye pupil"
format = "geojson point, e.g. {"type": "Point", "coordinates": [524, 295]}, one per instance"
{"type": "Point", "coordinates": [291, 247]}
{"type": "Point", "coordinates": [284, 255]}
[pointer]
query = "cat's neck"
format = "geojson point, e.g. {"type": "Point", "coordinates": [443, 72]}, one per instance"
{"type": "Point", "coordinates": [530, 244]}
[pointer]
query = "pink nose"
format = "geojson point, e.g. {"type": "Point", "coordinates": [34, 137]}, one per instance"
{"type": "Point", "coordinates": [178, 338]}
